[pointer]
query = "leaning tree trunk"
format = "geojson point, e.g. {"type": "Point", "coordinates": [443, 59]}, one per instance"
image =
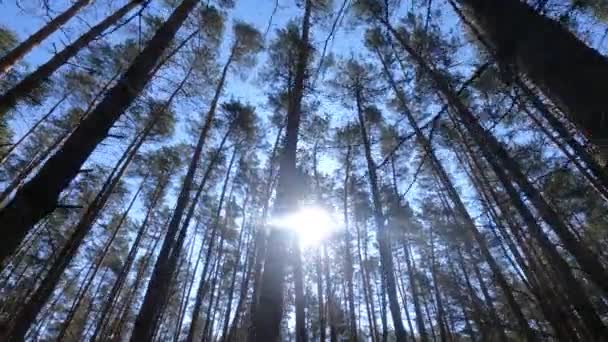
{"type": "Point", "coordinates": [13, 56]}
{"type": "Point", "coordinates": [386, 257]}
{"type": "Point", "coordinates": [112, 296]}
{"type": "Point", "coordinates": [455, 198]}
{"type": "Point", "coordinates": [269, 310]}
{"type": "Point", "coordinates": [500, 160]}
{"type": "Point", "coordinates": [568, 71]}
{"type": "Point", "coordinates": [26, 315]}
{"type": "Point", "coordinates": [32, 129]}
{"type": "Point", "coordinates": [39, 196]}
{"type": "Point", "coordinates": [68, 320]}
{"type": "Point", "coordinates": [573, 290]}
{"type": "Point", "coordinates": [202, 288]}
{"type": "Point", "coordinates": [34, 80]}
{"type": "Point", "coordinates": [158, 286]}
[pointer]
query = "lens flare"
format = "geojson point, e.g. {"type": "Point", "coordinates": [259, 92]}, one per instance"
{"type": "Point", "coordinates": [311, 225]}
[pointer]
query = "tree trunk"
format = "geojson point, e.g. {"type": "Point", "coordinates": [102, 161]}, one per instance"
{"type": "Point", "coordinates": [371, 316]}
{"type": "Point", "coordinates": [34, 80]}
{"type": "Point", "coordinates": [568, 71]}
{"type": "Point", "coordinates": [247, 273]}
{"type": "Point", "coordinates": [68, 320]}
{"type": "Point", "coordinates": [300, 301]}
{"type": "Point", "coordinates": [269, 311]}
{"type": "Point", "coordinates": [123, 314]}
{"type": "Point", "coordinates": [32, 129]}
{"type": "Point", "coordinates": [348, 258]}
{"type": "Point", "coordinates": [322, 330]}
{"type": "Point", "coordinates": [39, 196]}
{"type": "Point", "coordinates": [124, 272]}
{"type": "Point", "coordinates": [561, 269]}
{"type": "Point", "coordinates": [234, 273]}
{"type": "Point", "coordinates": [163, 269]}
{"type": "Point", "coordinates": [212, 307]}
{"type": "Point", "coordinates": [386, 256]}
{"type": "Point", "coordinates": [202, 288]}
{"type": "Point", "coordinates": [500, 160]}
{"type": "Point", "coordinates": [12, 57]}
{"type": "Point", "coordinates": [443, 326]}
{"type": "Point", "coordinates": [414, 289]}
{"type": "Point", "coordinates": [27, 314]}
{"type": "Point", "coordinates": [333, 337]}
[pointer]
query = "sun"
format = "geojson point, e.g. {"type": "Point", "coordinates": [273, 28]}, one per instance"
{"type": "Point", "coordinates": [311, 224]}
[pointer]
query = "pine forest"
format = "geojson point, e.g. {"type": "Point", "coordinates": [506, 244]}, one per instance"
{"type": "Point", "coordinates": [304, 170]}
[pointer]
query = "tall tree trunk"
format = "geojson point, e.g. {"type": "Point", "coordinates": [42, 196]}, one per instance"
{"type": "Point", "coordinates": [348, 258]}
{"type": "Point", "coordinates": [568, 71]}
{"type": "Point", "coordinates": [68, 320]}
{"type": "Point", "coordinates": [501, 161]}
{"type": "Point", "coordinates": [24, 319]}
{"type": "Point", "coordinates": [447, 183]}
{"type": "Point", "coordinates": [441, 319]}
{"type": "Point", "coordinates": [202, 288]}
{"type": "Point", "coordinates": [261, 238]}
{"type": "Point", "coordinates": [212, 307]}
{"type": "Point", "coordinates": [13, 56]}
{"type": "Point", "coordinates": [116, 330]}
{"type": "Point", "coordinates": [411, 272]}
{"type": "Point", "coordinates": [403, 293]}
{"type": "Point", "coordinates": [269, 311]}
{"type": "Point", "coordinates": [371, 316]}
{"type": "Point", "coordinates": [247, 273]}
{"type": "Point", "coordinates": [300, 301]}
{"type": "Point", "coordinates": [322, 330]}
{"type": "Point", "coordinates": [163, 269]}
{"type": "Point", "coordinates": [39, 196]}
{"type": "Point", "coordinates": [234, 272]}
{"type": "Point", "coordinates": [112, 296]}
{"type": "Point", "coordinates": [32, 129]}
{"type": "Point", "coordinates": [333, 337]}
{"type": "Point", "coordinates": [386, 256]}
{"type": "Point", "coordinates": [34, 80]}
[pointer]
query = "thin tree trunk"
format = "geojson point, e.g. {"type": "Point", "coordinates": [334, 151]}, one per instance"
{"type": "Point", "coordinates": [333, 337]}
{"type": "Point", "coordinates": [202, 288]}
{"type": "Point", "coordinates": [13, 56]}
{"type": "Point", "coordinates": [348, 260]}
{"type": "Point", "coordinates": [322, 331]}
{"type": "Point", "coordinates": [34, 80]}
{"type": "Point", "coordinates": [441, 319]}
{"type": "Point", "coordinates": [112, 297]}
{"type": "Point", "coordinates": [300, 301]}
{"type": "Point", "coordinates": [453, 194]}
{"type": "Point", "coordinates": [366, 288]}
{"type": "Point", "coordinates": [68, 320]}
{"type": "Point", "coordinates": [32, 129]}
{"type": "Point", "coordinates": [234, 273]}
{"type": "Point", "coordinates": [415, 294]}
{"type": "Point", "coordinates": [158, 287]}
{"type": "Point", "coordinates": [38, 197]}
{"type": "Point", "coordinates": [386, 257]}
